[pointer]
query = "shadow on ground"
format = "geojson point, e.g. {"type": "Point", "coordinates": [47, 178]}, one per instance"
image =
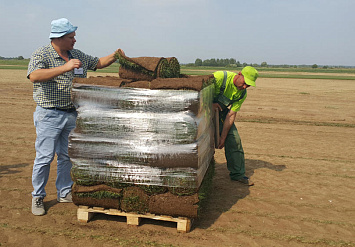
{"type": "Point", "coordinates": [49, 204]}
{"type": "Point", "coordinates": [11, 169]}
{"type": "Point", "coordinates": [226, 193]}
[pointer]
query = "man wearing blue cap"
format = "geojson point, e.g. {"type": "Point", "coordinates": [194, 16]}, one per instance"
{"type": "Point", "coordinates": [230, 93]}
{"type": "Point", "coordinates": [52, 69]}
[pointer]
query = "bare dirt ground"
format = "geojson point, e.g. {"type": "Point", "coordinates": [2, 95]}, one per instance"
{"type": "Point", "coordinates": [298, 137]}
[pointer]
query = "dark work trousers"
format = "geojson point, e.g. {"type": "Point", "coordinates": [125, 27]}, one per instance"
{"type": "Point", "coordinates": [233, 150]}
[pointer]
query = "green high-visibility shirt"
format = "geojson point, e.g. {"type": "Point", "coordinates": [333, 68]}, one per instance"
{"type": "Point", "coordinates": [231, 91]}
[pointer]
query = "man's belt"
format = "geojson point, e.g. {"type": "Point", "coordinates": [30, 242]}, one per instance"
{"type": "Point", "coordinates": [62, 109]}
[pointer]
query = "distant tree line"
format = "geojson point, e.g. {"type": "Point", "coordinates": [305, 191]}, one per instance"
{"type": "Point", "coordinates": [10, 58]}
{"type": "Point", "coordinates": [232, 62]}
{"type": "Point", "coordinates": [223, 62]}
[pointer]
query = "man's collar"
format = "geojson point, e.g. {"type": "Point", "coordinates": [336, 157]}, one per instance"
{"type": "Point", "coordinates": [55, 53]}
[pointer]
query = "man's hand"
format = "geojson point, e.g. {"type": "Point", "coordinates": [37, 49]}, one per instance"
{"type": "Point", "coordinates": [73, 64]}
{"type": "Point", "coordinates": [121, 51]}
{"type": "Point", "coordinates": [108, 60]}
{"type": "Point", "coordinates": [216, 106]}
{"type": "Point", "coordinates": [227, 124]}
{"type": "Point", "coordinates": [221, 143]}
{"type": "Point", "coordinates": [43, 75]}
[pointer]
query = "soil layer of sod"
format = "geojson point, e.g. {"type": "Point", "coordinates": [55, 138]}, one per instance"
{"type": "Point", "coordinates": [184, 202]}
{"type": "Point", "coordinates": [196, 83]}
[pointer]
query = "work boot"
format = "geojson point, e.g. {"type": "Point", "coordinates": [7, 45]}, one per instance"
{"type": "Point", "coordinates": [37, 206]}
{"type": "Point", "coordinates": [245, 180]}
{"type": "Point", "coordinates": [67, 198]}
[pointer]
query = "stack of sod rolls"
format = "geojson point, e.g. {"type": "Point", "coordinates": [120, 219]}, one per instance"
{"type": "Point", "coordinates": [147, 68]}
{"type": "Point", "coordinates": [143, 146]}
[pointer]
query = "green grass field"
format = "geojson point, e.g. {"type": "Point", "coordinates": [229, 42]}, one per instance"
{"type": "Point", "coordinates": [287, 73]}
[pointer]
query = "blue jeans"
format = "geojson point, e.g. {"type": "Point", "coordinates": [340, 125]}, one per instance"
{"type": "Point", "coordinates": [52, 129]}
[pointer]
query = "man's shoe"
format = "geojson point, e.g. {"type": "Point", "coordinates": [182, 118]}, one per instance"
{"type": "Point", "coordinates": [67, 198]}
{"type": "Point", "coordinates": [37, 206]}
{"type": "Point", "coordinates": [245, 180]}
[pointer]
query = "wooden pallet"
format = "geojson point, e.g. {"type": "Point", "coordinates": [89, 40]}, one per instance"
{"type": "Point", "coordinates": [85, 214]}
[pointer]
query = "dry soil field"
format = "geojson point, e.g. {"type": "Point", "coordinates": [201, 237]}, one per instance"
{"type": "Point", "coordinates": [298, 136]}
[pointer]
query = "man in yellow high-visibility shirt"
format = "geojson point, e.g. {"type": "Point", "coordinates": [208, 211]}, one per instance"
{"type": "Point", "coordinates": [230, 93]}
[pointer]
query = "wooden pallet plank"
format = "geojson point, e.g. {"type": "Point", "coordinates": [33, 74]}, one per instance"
{"type": "Point", "coordinates": [86, 213]}
{"type": "Point", "coordinates": [133, 220]}
{"type": "Point", "coordinates": [184, 225]}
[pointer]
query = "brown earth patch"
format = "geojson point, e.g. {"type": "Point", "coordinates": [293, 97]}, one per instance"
{"type": "Point", "coordinates": [304, 176]}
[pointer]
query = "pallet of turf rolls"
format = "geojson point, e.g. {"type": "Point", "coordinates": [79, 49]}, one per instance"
{"type": "Point", "coordinates": [142, 147]}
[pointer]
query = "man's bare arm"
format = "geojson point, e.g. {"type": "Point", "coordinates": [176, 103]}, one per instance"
{"type": "Point", "coordinates": [108, 60]}
{"type": "Point", "coordinates": [228, 122]}
{"type": "Point", "coordinates": [43, 75]}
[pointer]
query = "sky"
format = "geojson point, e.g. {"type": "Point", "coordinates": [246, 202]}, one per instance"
{"type": "Point", "coordinates": [293, 32]}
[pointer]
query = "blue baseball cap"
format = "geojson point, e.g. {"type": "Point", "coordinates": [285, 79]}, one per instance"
{"type": "Point", "coordinates": [61, 27]}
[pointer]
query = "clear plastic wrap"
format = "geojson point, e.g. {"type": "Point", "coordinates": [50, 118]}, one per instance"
{"type": "Point", "coordinates": [142, 136]}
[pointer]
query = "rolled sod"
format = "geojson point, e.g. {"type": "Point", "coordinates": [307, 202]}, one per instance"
{"type": "Point", "coordinates": [147, 68]}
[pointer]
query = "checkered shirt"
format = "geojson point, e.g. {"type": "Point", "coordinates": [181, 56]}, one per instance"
{"type": "Point", "coordinates": [57, 91]}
